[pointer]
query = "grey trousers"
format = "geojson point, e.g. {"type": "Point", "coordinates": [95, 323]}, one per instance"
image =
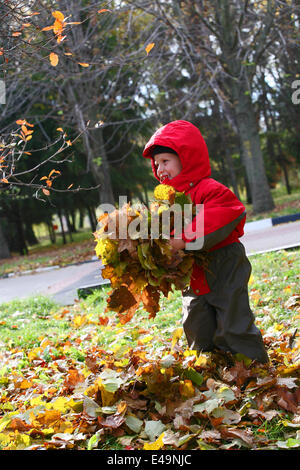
{"type": "Point", "coordinates": [222, 319]}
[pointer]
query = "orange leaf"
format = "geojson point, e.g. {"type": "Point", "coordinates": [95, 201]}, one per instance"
{"type": "Point", "coordinates": [49, 183]}
{"type": "Point", "coordinates": [53, 171]}
{"type": "Point", "coordinates": [149, 47]}
{"type": "Point", "coordinates": [58, 27]}
{"type": "Point", "coordinates": [83, 64]}
{"type": "Point", "coordinates": [4, 180]}
{"type": "Point", "coordinates": [103, 10]}
{"type": "Point", "coordinates": [53, 59]}
{"type": "Point", "coordinates": [16, 33]}
{"type": "Point", "coordinates": [60, 129]}
{"type": "Point", "coordinates": [68, 53]}
{"type": "Point", "coordinates": [58, 15]}
{"type": "Point", "coordinates": [47, 28]}
{"type": "Point", "coordinates": [60, 38]}
{"type": "Point", "coordinates": [43, 178]}
{"type": "Point", "coordinates": [46, 192]}
{"type": "Point", "coordinates": [70, 186]}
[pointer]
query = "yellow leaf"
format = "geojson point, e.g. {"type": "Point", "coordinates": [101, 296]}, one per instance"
{"type": "Point", "coordinates": [4, 439]}
{"type": "Point", "coordinates": [201, 361]}
{"type": "Point", "coordinates": [5, 421]}
{"type": "Point", "coordinates": [83, 64]}
{"type": "Point", "coordinates": [60, 404]}
{"type": "Point", "coordinates": [146, 339]}
{"type": "Point", "coordinates": [60, 129]}
{"type": "Point", "coordinates": [186, 388]}
{"type": "Point", "coordinates": [36, 401]}
{"type": "Point", "coordinates": [107, 398]}
{"type": "Point", "coordinates": [79, 320]}
{"type": "Point", "coordinates": [149, 47]}
{"type": "Point", "coordinates": [156, 445]}
{"type": "Point", "coordinates": [176, 336]}
{"type": "Point", "coordinates": [53, 59]}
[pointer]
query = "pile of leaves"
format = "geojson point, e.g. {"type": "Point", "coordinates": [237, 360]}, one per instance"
{"type": "Point", "coordinates": [140, 268]}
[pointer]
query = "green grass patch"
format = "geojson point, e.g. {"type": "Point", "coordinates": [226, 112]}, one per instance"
{"type": "Point", "coordinates": [24, 322]}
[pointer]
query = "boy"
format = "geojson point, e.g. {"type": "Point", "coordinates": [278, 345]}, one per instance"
{"type": "Point", "coordinates": [216, 311]}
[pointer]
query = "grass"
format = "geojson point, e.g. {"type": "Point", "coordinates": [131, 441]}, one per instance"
{"type": "Point", "coordinates": [24, 322]}
{"type": "Point", "coordinates": [274, 280]}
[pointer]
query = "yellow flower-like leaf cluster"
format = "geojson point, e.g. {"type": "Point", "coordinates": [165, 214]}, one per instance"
{"type": "Point", "coordinates": [107, 250]}
{"type": "Point", "coordinates": [164, 192]}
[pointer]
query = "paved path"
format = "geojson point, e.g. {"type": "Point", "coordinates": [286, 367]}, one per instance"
{"type": "Point", "coordinates": [272, 238]}
{"type": "Point", "coordinates": [62, 284]}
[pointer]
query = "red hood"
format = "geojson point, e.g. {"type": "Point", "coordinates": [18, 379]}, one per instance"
{"type": "Point", "coordinates": [188, 143]}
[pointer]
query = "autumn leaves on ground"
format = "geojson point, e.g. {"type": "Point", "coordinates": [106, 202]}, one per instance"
{"type": "Point", "coordinates": [75, 378]}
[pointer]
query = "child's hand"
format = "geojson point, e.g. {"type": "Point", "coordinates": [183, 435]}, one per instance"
{"type": "Point", "coordinates": [177, 244]}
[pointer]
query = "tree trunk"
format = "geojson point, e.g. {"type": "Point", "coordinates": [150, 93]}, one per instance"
{"type": "Point", "coordinates": [30, 235]}
{"type": "Point", "coordinates": [52, 234]}
{"type": "Point", "coordinates": [92, 218]}
{"type": "Point", "coordinates": [62, 227]}
{"type": "Point", "coordinates": [251, 150]}
{"type": "Point", "coordinates": [22, 246]}
{"type": "Point", "coordinates": [4, 250]}
{"type": "Point", "coordinates": [94, 148]}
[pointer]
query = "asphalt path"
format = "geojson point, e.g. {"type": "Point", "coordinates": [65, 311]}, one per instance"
{"type": "Point", "coordinates": [62, 283]}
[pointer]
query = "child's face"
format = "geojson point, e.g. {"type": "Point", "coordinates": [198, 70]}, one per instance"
{"type": "Point", "coordinates": [168, 165]}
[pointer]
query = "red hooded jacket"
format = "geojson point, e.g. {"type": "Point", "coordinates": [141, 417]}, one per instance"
{"type": "Point", "coordinates": [224, 215]}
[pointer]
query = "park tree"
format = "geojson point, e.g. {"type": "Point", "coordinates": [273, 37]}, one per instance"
{"type": "Point", "coordinates": [228, 43]}
{"type": "Point", "coordinates": [82, 84]}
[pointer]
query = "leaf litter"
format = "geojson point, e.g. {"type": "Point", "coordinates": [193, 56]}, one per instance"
{"type": "Point", "coordinates": [137, 386]}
